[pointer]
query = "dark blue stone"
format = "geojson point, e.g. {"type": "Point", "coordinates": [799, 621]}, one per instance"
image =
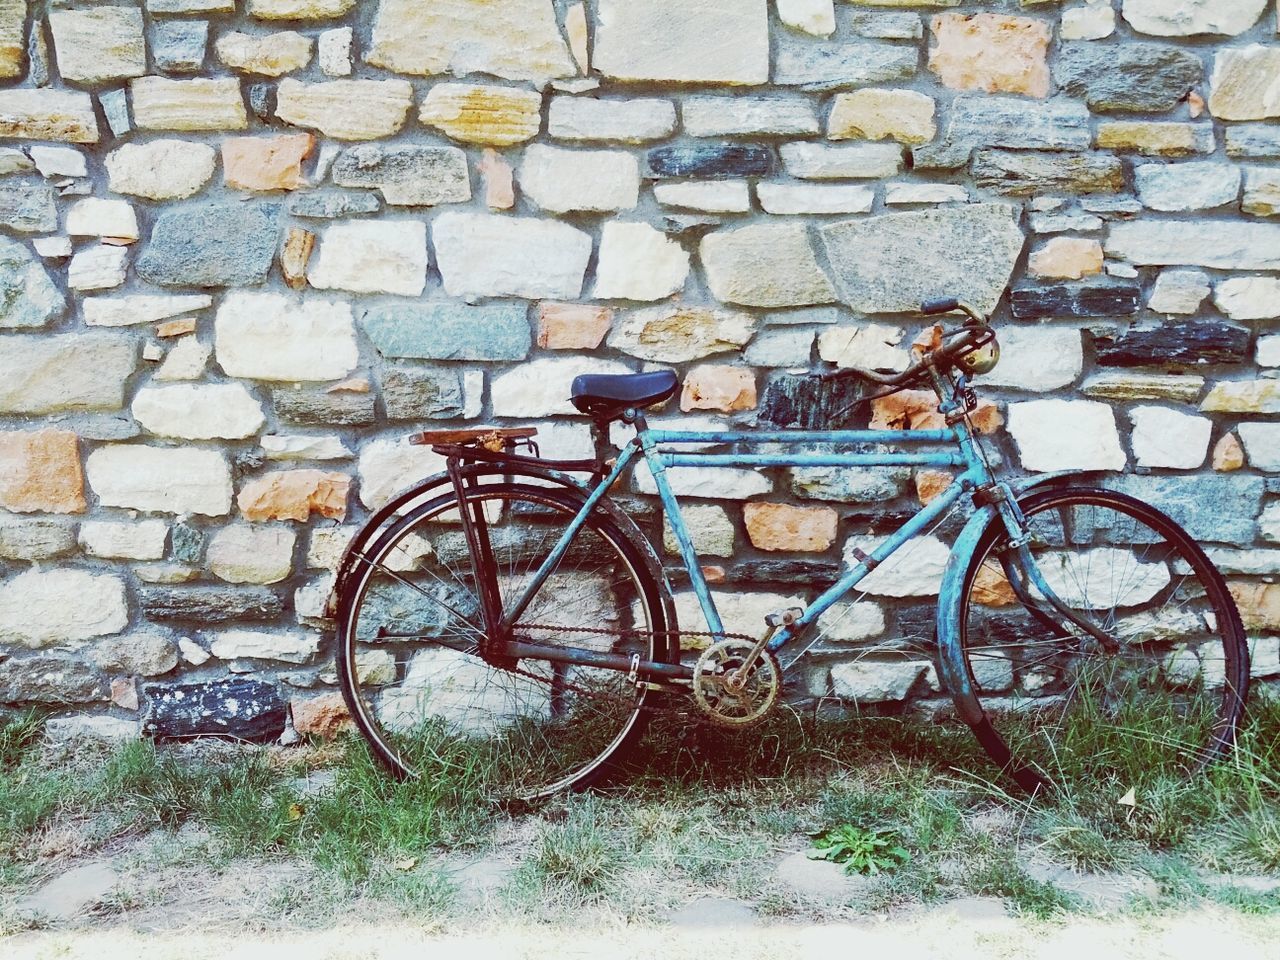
{"type": "Point", "coordinates": [713, 161]}
{"type": "Point", "coordinates": [1186, 343]}
{"type": "Point", "coordinates": [240, 708]}
{"type": "Point", "coordinates": [1066, 300]}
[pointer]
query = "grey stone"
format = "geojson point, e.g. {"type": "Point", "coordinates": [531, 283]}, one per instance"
{"type": "Point", "coordinates": [35, 538]}
{"type": "Point", "coordinates": [1220, 244]}
{"type": "Point", "coordinates": [243, 709]}
{"type": "Point", "coordinates": [826, 65]}
{"type": "Point", "coordinates": [1023, 173]}
{"type": "Point", "coordinates": [1187, 186]}
{"type": "Point", "coordinates": [186, 543]}
{"type": "Point", "coordinates": [262, 101]}
{"type": "Point", "coordinates": [885, 26]}
{"type": "Point", "coordinates": [143, 654]}
{"type": "Point", "coordinates": [1213, 507]}
{"type": "Point", "coordinates": [314, 407]}
{"type": "Point", "coordinates": [1141, 77]}
{"type": "Point", "coordinates": [971, 251]}
{"type": "Point", "coordinates": [411, 176]}
{"type": "Point", "coordinates": [27, 206]}
{"type": "Point", "coordinates": [449, 331]}
{"type": "Point", "coordinates": [1253, 141]}
{"type": "Point", "coordinates": [765, 265]}
{"type": "Point", "coordinates": [332, 204]}
{"type": "Point", "coordinates": [414, 393]}
{"type": "Point", "coordinates": [178, 46]}
{"type": "Point", "coordinates": [849, 485]}
{"type": "Point", "coordinates": [75, 372]}
{"type": "Point", "coordinates": [70, 893]}
{"type": "Point", "coordinates": [1097, 890]}
{"type": "Point", "coordinates": [1057, 124]}
{"type": "Point", "coordinates": [210, 604]}
{"type": "Point", "coordinates": [115, 106]}
{"type": "Point", "coordinates": [49, 678]}
{"type": "Point", "coordinates": [211, 245]}
{"type": "Point", "coordinates": [28, 298]}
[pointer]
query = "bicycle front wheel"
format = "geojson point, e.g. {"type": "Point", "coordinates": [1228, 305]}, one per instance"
{"type": "Point", "coordinates": [410, 631]}
{"type": "Point", "coordinates": [1147, 684]}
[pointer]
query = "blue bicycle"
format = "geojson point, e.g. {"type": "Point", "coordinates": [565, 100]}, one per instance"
{"type": "Point", "coordinates": [508, 621]}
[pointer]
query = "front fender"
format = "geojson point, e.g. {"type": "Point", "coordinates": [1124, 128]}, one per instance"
{"type": "Point", "coordinates": [951, 661]}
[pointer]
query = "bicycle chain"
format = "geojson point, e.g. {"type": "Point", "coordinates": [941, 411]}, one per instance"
{"type": "Point", "coordinates": [700, 717]}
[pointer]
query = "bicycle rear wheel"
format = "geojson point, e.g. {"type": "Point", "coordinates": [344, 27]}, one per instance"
{"type": "Point", "coordinates": [1161, 698]}
{"type": "Point", "coordinates": [410, 630]}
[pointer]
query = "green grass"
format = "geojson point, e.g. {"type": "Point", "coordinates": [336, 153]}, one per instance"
{"type": "Point", "coordinates": [701, 810]}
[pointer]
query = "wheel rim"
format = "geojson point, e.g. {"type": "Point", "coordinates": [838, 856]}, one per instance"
{"type": "Point", "coordinates": [1062, 709]}
{"type": "Point", "coordinates": [427, 701]}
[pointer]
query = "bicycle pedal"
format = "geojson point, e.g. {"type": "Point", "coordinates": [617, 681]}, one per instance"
{"type": "Point", "coordinates": [784, 618]}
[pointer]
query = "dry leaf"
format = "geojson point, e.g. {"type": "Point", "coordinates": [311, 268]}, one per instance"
{"type": "Point", "coordinates": [1130, 799]}
{"type": "Point", "coordinates": [296, 811]}
{"type": "Point", "coordinates": [930, 339]}
{"type": "Point", "coordinates": [407, 864]}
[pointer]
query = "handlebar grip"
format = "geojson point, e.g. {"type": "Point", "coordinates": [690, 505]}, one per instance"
{"type": "Point", "coordinates": [939, 305]}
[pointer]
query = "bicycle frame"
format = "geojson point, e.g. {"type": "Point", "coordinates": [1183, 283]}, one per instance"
{"type": "Point", "coordinates": [655, 449]}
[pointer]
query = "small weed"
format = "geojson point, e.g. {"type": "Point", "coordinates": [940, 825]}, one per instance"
{"type": "Point", "coordinates": [860, 850]}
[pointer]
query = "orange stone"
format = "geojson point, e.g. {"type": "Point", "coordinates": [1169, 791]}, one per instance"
{"type": "Point", "coordinates": [713, 573]}
{"type": "Point", "coordinates": [354, 385]}
{"type": "Point", "coordinates": [1066, 258]}
{"type": "Point", "coordinates": [991, 587]}
{"type": "Point", "coordinates": [783, 526]}
{"type": "Point", "coordinates": [1195, 104]}
{"type": "Point", "coordinates": [1228, 455]}
{"type": "Point", "coordinates": [572, 326]}
{"type": "Point", "coordinates": [718, 387]}
{"type": "Point", "coordinates": [499, 181]}
{"type": "Point", "coordinates": [930, 483]}
{"type": "Point", "coordinates": [40, 471]}
{"type": "Point", "coordinates": [176, 328]}
{"type": "Point", "coordinates": [992, 52]}
{"type": "Point", "coordinates": [918, 410]}
{"type": "Point", "coordinates": [266, 163]}
{"type": "Point", "coordinates": [324, 717]}
{"type": "Point", "coordinates": [124, 693]}
{"type": "Point", "coordinates": [298, 244]}
{"type": "Point", "coordinates": [1259, 604]}
{"type": "Point", "coordinates": [295, 495]}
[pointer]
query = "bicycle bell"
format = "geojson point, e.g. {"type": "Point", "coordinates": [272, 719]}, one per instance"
{"type": "Point", "coordinates": [981, 359]}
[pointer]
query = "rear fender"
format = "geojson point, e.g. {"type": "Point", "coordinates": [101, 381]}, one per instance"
{"type": "Point", "coordinates": [369, 537]}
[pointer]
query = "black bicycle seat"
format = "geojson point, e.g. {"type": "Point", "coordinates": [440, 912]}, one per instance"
{"type": "Point", "coordinates": [608, 395]}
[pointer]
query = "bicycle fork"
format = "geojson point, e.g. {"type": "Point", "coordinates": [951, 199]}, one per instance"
{"type": "Point", "coordinates": [1021, 568]}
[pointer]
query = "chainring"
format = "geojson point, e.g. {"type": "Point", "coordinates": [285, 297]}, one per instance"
{"type": "Point", "coordinates": [727, 699]}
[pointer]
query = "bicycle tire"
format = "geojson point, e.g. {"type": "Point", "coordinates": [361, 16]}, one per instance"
{"type": "Point", "coordinates": [522, 731]}
{"type": "Point", "coordinates": [1074, 713]}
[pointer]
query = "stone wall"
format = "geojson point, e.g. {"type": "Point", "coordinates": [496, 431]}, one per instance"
{"type": "Point", "coordinates": [249, 246]}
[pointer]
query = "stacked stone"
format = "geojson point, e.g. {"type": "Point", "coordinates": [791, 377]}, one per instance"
{"type": "Point", "coordinates": [251, 245]}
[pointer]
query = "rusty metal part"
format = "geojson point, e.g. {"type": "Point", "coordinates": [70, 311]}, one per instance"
{"type": "Point", "coordinates": [736, 683]}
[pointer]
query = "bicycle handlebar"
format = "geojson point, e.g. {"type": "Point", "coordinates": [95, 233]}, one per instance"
{"type": "Point", "coordinates": [974, 334]}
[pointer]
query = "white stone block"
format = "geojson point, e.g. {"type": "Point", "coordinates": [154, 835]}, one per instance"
{"type": "Point", "coordinates": [1066, 435]}
{"type": "Point", "coordinates": [124, 539]}
{"type": "Point", "coordinates": [562, 181]}
{"type": "Point", "coordinates": [372, 256]}
{"type": "Point", "coordinates": [1169, 438]}
{"type": "Point", "coordinates": [637, 262]}
{"type": "Point", "coordinates": [207, 411]}
{"type": "Point", "coordinates": [160, 479]}
{"type": "Point", "coordinates": [40, 608]}
{"type": "Point", "coordinates": [276, 336]}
